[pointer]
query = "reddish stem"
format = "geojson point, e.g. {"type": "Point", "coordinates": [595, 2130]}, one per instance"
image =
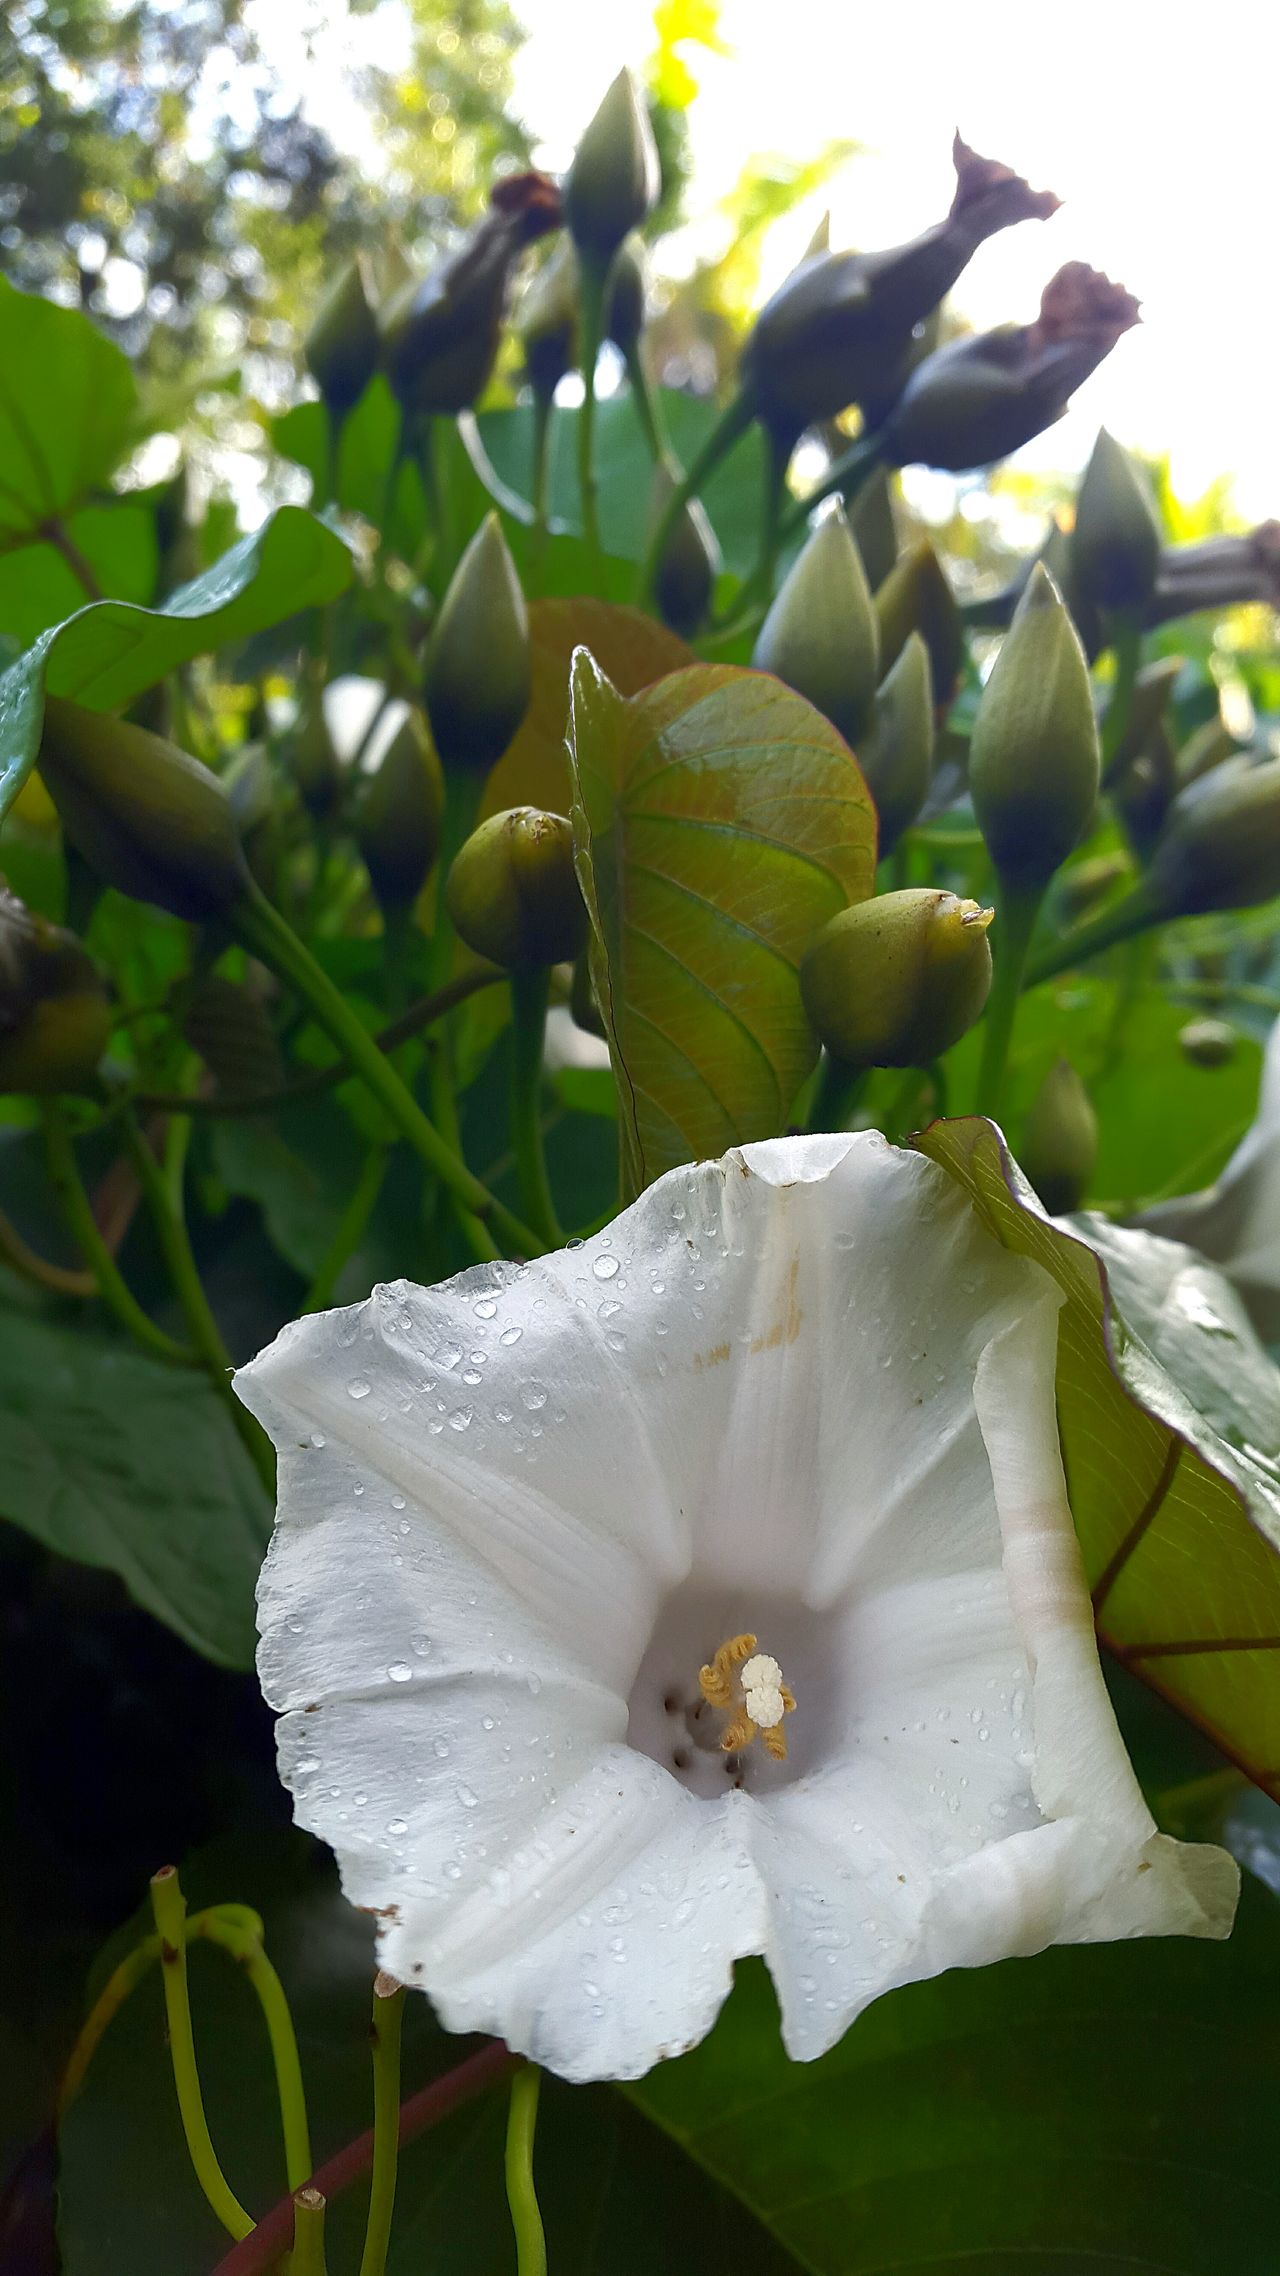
{"type": "Point", "coordinates": [274, 2232]}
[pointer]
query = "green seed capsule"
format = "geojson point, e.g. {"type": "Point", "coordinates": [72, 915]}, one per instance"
{"type": "Point", "coordinates": [916, 597]}
{"type": "Point", "coordinates": [146, 817]}
{"type": "Point", "coordinates": [1060, 1142]}
{"type": "Point", "coordinates": [821, 635]}
{"type": "Point", "coordinates": [690, 563]}
{"type": "Point", "coordinates": [896, 752]}
{"type": "Point", "coordinates": [477, 674]}
{"type": "Point", "coordinates": [1115, 545]}
{"type": "Point", "coordinates": [1033, 757]}
{"type": "Point", "coordinates": [398, 817]}
{"type": "Point", "coordinates": [343, 346]}
{"type": "Point", "coordinates": [513, 892]}
{"type": "Point", "coordinates": [613, 184]}
{"type": "Point", "coordinates": [896, 981]}
{"type": "Point", "coordinates": [55, 1015]}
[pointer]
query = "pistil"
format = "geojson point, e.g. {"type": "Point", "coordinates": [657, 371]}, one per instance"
{"type": "Point", "coordinates": [747, 1686]}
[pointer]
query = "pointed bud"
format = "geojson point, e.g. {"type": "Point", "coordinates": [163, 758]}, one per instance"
{"type": "Point", "coordinates": [55, 1016]}
{"type": "Point", "coordinates": [398, 817]}
{"type": "Point", "coordinates": [1144, 790]}
{"type": "Point", "coordinates": [1148, 703]}
{"type": "Point", "coordinates": [441, 332]}
{"type": "Point", "coordinates": [875, 528]}
{"type": "Point", "coordinates": [1033, 757]}
{"type": "Point", "coordinates": [613, 184]}
{"type": "Point", "coordinates": [547, 320]}
{"type": "Point", "coordinates": [311, 758]}
{"type": "Point", "coordinates": [343, 346]}
{"type": "Point", "coordinates": [1088, 883]}
{"type": "Point", "coordinates": [821, 635]}
{"type": "Point", "coordinates": [1115, 544]}
{"type": "Point", "coordinates": [686, 574]}
{"type": "Point", "coordinates": [916, 597]}
{"type": "Point", "coordinates": [477, 674]}
{"type": "Point", "coordinates": [1205, 750]}
{"type": "Point", "coordinates": [896, 981]}
{"type": "Point", "coordinates": [627, 296]}
{"type": "Point", "coordinates": [147, 818]}
{"type": "Point", "coordinates": [1220, 846]}
{"type": "Point", "coordinates": [1060, 1142]}
{"type": "Point", "coordinates": [896, 751]}
{"type": "Point", "coordinates": [513, 892]}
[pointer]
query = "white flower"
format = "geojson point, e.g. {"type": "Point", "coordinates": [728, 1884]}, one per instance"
{"type": "Point", "coordinates": [1236, 1221]}
{"type": "Point", "coordinates": [773, 1461]}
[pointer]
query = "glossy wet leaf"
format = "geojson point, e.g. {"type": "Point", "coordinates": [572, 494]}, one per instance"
{"type": "Point", "coordinates": [720, 822]}
{"type": "Point", "coordinates": [1180, 1529]}
{"type": "Point", "coordinates": [109, 652]}
{"type": "Point", "coordinates": [115, 1459]}
{"type": "Point", "coordinates": [629, 647]}
{"type": "Point", "coordinates": [67, 408]}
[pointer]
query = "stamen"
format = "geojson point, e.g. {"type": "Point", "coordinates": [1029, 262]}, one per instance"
{"type": "Point", "coordinates": [747, 1686]}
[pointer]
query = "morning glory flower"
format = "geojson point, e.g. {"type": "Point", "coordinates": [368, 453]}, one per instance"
{"type": "Point", "coordinates": [707, 1588]}
{"type": "Point", "coordinates": [1236, 1221]}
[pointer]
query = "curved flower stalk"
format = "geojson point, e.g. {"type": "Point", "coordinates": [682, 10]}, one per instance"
{"type": "Point", "coordinates": [708, 1588]}
{"type": "Point", "coordinates": [1235, 1222]}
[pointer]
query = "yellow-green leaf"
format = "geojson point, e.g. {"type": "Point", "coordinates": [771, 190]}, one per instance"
{"type": "Point", "coordinates": [720, 821]}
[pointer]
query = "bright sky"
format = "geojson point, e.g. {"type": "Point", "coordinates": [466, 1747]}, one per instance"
{"type": "Point", "coordinates": [1157, 126]}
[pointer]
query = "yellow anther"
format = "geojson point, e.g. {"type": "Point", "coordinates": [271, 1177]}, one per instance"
{"type": "Point", "coordinates": [716, 1681]}
{"type": "Point", "coordinates": [775, 1741]}
{"type": "Point", "coordinates": [740, 1733]}
{"type": "Point", "coordinates": [749, 1689]}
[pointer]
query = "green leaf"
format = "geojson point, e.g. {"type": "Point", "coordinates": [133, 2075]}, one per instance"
{"type": "Point", "coordinates": [1098, 2108]}
{"type": "Point", "coordinates": [114, 1459]}
{"type": "Point", "coordinates": [720, 821]}
{"type": "Point", "coordinates": [67, 406]}
{"type": "Point", "coordinates": [38, 588]}
{"type": "Point", "coordinates": [630, 647]}
{"type": "Point", "coordinates": [108, 653]}
{"type": "Point", "coordinates": [1180, 1530]}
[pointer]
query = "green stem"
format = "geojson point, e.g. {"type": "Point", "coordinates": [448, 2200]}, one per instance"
{"type": "Point", "coordinates": [63, 1279]}
{"type": "Point", "coordinates": [56, 533]}
{"type": "Point", "coordinates": [522, 2195]}
{"type": "Point", "coordinates": [846, 474]}
{"type": "Point", "coordinates": [388, 2009]}
{"type": "Point", "coordinates": [68, 1187]}
{"type": "Point", "coordinates": [1135, 914]}
{"type": "Point", "coordinates": [350, 1229]}
{"type": "Point", "coordinates": [1127, 647]}
{"type": "Point", "coordinates": [164, 1200]}
{"type": "Point", "coordinates": [593, 279]}
{"type": "Point", "coordinates": [307, 2257]}
{"type": "Point", "coordinates": [1019, 906]}
{"type": "Point", "coordinates": [838, 1090]}
{"type": "Point", "coordinates": [170, 1909]}
{"type": "Point", "coordinates": [732, 423]}
{"type": "Point", "coordinates": [265, 931]}
{"type": "Point", "coordinates": [544, 411]}
{"type": "Point", "coordinates": [777, 458]}
{"type": "Point", "coordinates": [507, 500]}
{"type": "Point", "coordinates": [647, 407]}
{"type": "Point", "coordinates": [529, 991]}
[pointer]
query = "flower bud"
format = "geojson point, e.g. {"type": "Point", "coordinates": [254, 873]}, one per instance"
{"type": "Point", "coordinates": [1207, 1042]}
{"type": "Point", "coordinates": [477, 674]}
{"type": "Point", "coordinates": [147, 818]}
{"type": "Point", "coordinates": [1205, 750]}
{"type": "Point", "coordinates": [311, 758]}
{"type": "Point", "coordinates": [1033, 756]}
{"type": "Point", "coordinates": [1087, 883]}
{"type": "Point", "coordinates": [547, 321]}
{"type": "Point", "coordinates": [1144, 789]}
{"type": "Point", "coordinates": [1220, 845]}
{"type": "Point", "coordinates": [896, 750]}
{"type": "Point", "coordinates": [916, 597]}
{"type": "Point", "coordinates": [978, 398]}
{"type": "Point", "coordinates": [1115, 544]}
{"type": "Point", "coordinates": [1060, 1141]}
{"type": "Point", "coordinates": [690, 563]}
{"type": "Point", "coordinates": [441, 333]}
{"type": "Point", "coordinates": [840, 320]}
{"type": "Point", "coordinates": [513, 893]}
{"type": "Point", "coordinates": [875, 528]}
{"type": "Point", "coordinates": [821, 635]}
{"type": "Point", "coordinates": [896, 981]}
{"type": "Point", "coordinates": [1147, 705]}
{"type": "Point", "coordinates": [398, 817]}
{"type": "Point", "coordinates": [55, 1016]}
{"type": "Point", "coordinates": [627, 296]}
{"type": "Point", "coordinates": [343, 346]}
{"type": "Point", "coordinates": [614, 181]}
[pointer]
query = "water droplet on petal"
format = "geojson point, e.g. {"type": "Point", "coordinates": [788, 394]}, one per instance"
{"type": "Point", "coordinates": [399, 1672]}
{"type": "Point", "coordinates": [511, 1335]}
{"type": "Point", "coordinates": [358, 1388]}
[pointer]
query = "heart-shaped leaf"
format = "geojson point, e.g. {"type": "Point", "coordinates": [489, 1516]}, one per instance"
{"type": "Point", "coordinates": [67, 406]}
{"type": "Point", "coordinates": [720, 821]}
{"type": "Point", "coordinates": [1180, 1529]}
{"type": "Point", "coordinates": [630, 647]}
{"type": "Point", "coordinates": [107, 653]}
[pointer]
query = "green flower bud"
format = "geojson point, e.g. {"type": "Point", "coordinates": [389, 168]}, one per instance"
{"type": "Point", "coordinates": [1060, 1141]}
{"type": "Point", "coordinates": [547, 320]}
{"type": "Point", "coordinates": [1033, 757]}
{"type": "Point", "coordinates": [614, 181]}
{"type": "Point", "coordinates": [916, 597]}
{"type": "Point", "coordinates": [896, 981]}
{"type": "Point", "coordinates": [398, 817]}
{"type": "Point", "coordinates": [690, 563]}
{"type": "Point", "coordinates": [1145, 789]}
{"type": "Point", "coordinates": [477, 674]}
{"type": "Point", "coordinates": [896, 752]}
{"type": "Point", "coordinates": [312, 761]}
{"type": "Point", "coordinates": [1207, 1042]}
{"type": "Point", "coordinates": [1147, 705]}
{"type": "Point", "coordinates": [1205, 750]}
{"type": "Point", "coordinates": [343, 346]}
{"type": "Point", "coordinates": [1220, 845]}
{"type": "Point", "coordinates": [875, 528]}
{"type": "Point", "coordinates": [147, 818]}
{"type": "Point", "coordinates": [513, 893]}
{"type": "Point", "coordinates": [821, 635]}
{"type": "Point", "coordinates": [1115, 544]}
{"type": "Point", "coordinates": [627, 296]}
{"type": "Point", "coordinates": [441, 333]}
{"type": "Point", "coordinates": [55, 1016]}
{"type": "Point", "coordinates": [1087, 883]}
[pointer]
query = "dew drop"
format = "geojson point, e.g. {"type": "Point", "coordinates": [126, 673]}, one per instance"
{"type": "Point", "coordinates": [358, 1388]}
{"type": "Point", "coordinates": [399, 1672]}
{"type": "Point", "coordinates": [485, 1309]}
{"type": "Point", "coordinates": [318, 1439]}
{"type": "Point", "coordinates": [511, 1335]}
{"type": "Point", "coordinates": [468, 1799]}
{"type": "Point", "coordinates": [397, 1825]}
{"type": "Point", "coordinates": [605, 1268]}
{"type": "Point", "coordinates": [533, 1396]}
